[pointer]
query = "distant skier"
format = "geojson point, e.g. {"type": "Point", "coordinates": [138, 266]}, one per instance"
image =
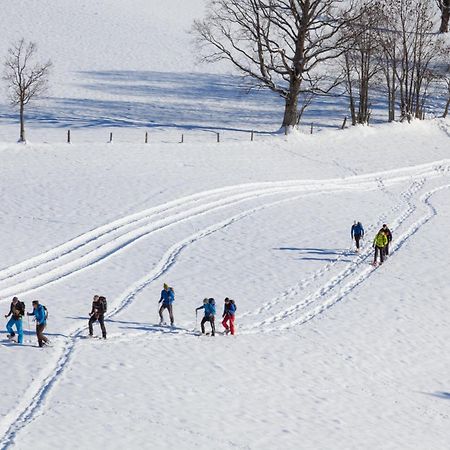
{"type": "Point", "coordinates": [209, 305]}
{"type": "Point", "coordinates": [229, 311]}
{"type": "Point", "coordinates": [379, 244]}
{"type": "Point", "coordinates": [388, 234]}
{"type": "Point", "coordinates": [40, 314]}
{"type": "Point", "coordinates": [167, 298]}
{"type": "Point", "coordinates": [99, 308]}
{"type": "Point", "coordinates": [357, 233]}
{"type": "Point", "coordinates": [17, 311]}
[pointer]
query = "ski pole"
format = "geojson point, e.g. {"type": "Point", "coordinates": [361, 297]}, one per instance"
{"type": "Point", "coordinates": [29, 328]}
{"type": "Point", "coordinates": [195, 319]}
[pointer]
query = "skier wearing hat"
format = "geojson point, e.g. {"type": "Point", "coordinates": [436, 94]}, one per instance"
{"type": "Point", "coordinates": [16, 311]}
{"type": "Point", "coordinates": [167, 298]}
{"type": "Point", "coordinates": [209, 305]}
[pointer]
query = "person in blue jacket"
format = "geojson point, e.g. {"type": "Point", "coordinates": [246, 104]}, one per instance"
{"type": "Point", "coordinates": [167, 298]}
{"type": "Point", "coordinates": [209, 305]}
{"type": "Point", "coordinates": [16, 311]}
{"type": "Point", "coordinates": [40, 315]}
{"type": "Point", "coordinates": [357, 233]}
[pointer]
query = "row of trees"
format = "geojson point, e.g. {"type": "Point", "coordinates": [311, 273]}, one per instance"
{"type": "Point", "coordinates": [301, 48]}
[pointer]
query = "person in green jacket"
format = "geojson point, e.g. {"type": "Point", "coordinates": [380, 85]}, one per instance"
{"type": "Point", "coordinates": [379, 244]}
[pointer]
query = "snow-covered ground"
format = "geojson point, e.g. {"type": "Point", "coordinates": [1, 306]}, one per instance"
{"type": "Point", "coordinates": [330, 353]}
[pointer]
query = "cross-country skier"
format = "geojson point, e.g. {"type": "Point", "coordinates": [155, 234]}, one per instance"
{"type": "Point", "coordinates": [209, 305]}
{"type": "Point", "coordinates": [40, 315]}
{"type": "Point", "coordinates": [388, 234]}
{"type": "Point", "coordinates": [379, 244]}
{"type": "Point", "coordinates": [229, 311]}
{"type": "Point", "coordinates": [98, 313]}
{"type": "Point", "coordinates": [357, 233]}
{"type": "Point", "coordinates": [16, 311]}
{"type": "Point", "coordinates": [167, 298]}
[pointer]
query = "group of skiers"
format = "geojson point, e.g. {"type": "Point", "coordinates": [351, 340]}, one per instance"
{"type": "Point", "coordinates": [167, 299]}
{"type": "Point", "coordinates": [209, 307]}
{"type": "Point", "coordinates": [99, 309]}
{"type": "Point", "coordinates": [380, 243]}
{"type": "Point", "coordinates": [17, 312]}
{"type": "Point", "coordinates": [99, 305]}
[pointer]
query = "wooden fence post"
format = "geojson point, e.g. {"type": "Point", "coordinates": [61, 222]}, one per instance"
{"type": "Point", "coordinates": [110, 137]}
{"type": "Point", "coordinates": [218, 137]}
{"type": "Point", "coordinates": [68, 136]}
{"type": "Point", "coordinates": [146, 137]}
{"type": "Point", "coordinates": [251, 136]}
{"type": "Point", "coordinates": [182, 138]}
{"type": "Point", "coordinates": [344, 123]}
{"type": "Point", "coordinates": [312, 127]}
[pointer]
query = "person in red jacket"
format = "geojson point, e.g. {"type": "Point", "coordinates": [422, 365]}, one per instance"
{"type": "Point", "coordinates": [228, 315]}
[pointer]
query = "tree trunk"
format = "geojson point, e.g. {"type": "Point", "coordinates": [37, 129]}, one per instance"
{"type": "Point", "coordinates": [447, 106]}
{"type": "Point", "coordinates": [22, 123]}
{"type": "Point", "coordinates": [290, 118]}
{"type": "Point", "coordinates": [445, 16]}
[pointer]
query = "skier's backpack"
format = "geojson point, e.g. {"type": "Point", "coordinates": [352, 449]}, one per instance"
{"type": "Point", "coordinates": [21, 308]}
{"type": "Point", "coordinates": [104, 303]}
{"type": "Point", "coordinates": [46, 312]}
{"type": "Point", "coordinates": [233, 303]}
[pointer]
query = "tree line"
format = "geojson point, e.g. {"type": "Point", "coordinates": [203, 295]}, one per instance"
{"type": "Point", "coordinates": [303, 48]}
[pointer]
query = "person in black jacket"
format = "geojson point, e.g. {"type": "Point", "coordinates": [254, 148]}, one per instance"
{"type": "Point", "coordinates": [98, 313]}
{"type": "Point", "coordinates": [388, 234]}
{"type": "Point", "coordinates": [16, 311]}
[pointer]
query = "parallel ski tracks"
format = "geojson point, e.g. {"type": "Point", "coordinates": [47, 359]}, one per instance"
{"type": "Point", "coordinates": [84, 251]}
{"type": "Point", "coordinates": [108, 239]}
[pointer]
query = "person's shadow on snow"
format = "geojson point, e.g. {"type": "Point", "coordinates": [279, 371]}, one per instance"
{"type": "Point", "coordinates": [323, 254]}
{"type": "Point", "coordinates": [441, 394]}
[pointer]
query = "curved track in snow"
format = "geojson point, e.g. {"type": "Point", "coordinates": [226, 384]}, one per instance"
{"type": "Point", "coordinates": [92, 247]}
{"type": "Point", "coordinates": [340, 285]}
{"type": "Point", "coordinates": [95, 246]}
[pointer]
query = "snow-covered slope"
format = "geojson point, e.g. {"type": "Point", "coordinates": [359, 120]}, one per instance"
{"type": "Point", "coordinates": [329, 352]}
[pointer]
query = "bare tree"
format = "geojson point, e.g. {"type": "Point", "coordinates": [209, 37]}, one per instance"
{"type": "Point", "coordinates": [447, 105]}
{"type": "Point", "coordinates": [26, 78]}
{"type": "Point", "coordinates": [410, 50]}
{"type": "Point", "coordinates": [442, 73]}
{"type": "Point", "coordinates": [444, 6]}
{"type": "Point", "coordinates": [361, 60]}
{"type": "Point", "coordinates": [278, 43]}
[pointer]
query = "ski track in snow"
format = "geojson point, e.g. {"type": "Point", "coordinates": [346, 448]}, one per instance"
{"type": "Point", "coordinates": [95, 246]}
{"type": "Point", "coordinates": [34, 400]}
{"type": "Point", "coordinates": [296, 290]}
{"type": "Point", "coordinates": [17, 421]}
{"type": "Point", "coordinates": [354, 272]}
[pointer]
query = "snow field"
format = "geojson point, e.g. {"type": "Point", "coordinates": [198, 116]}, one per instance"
{"type": "Point", "coordinates": [268, 238]}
